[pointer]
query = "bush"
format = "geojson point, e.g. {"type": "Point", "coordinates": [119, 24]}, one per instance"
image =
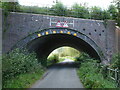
{"type": "Point", "coordinates": [17, 62]}
{"type": "Point", "coordinates": [80, 11]}
{"type": "Point", "coordinates": [116, 61]}
{"type": "Point", "coordinates": [91, 78]}
{"type": "Point", "coordinates": [68, 51]}
{"type": "Point", "coordinates": [77, 10]}
{"type": "Point", "coordinates": [82, 58]}
{"type": "Point", "coordinates": [34, 9]}
{"type": "Point", "coordinates": [104, 71]}
{"type": "Point", "coordinates": [11, 6]}
{"type": "Point", "coordinates": [59, 9]}
{"type": "Point", "coordinates": [54, 58]}
{"type": "Point", "coordinates": [91, 74]}
{"type": "Point", "coordinates": [23, 80]}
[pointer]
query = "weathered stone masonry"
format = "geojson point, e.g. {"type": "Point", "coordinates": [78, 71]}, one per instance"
{"type": "Point", "coordinates": [20, 25]}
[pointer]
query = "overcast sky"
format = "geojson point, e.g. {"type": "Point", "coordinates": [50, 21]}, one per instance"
{"type": "Point", "coordinates": [101, 3]}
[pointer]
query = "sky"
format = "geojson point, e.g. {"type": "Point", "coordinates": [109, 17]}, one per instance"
{"type": "Point", "coordinates": [101, 3]}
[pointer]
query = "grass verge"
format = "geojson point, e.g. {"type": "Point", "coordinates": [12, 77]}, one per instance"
{"type": "Point", "coordinates": [23, 80]}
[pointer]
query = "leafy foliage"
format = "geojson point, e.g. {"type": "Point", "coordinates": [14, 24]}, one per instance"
{"type": "Point", "coordinates": [77, 10]}
{"type": "Point", "coordinates": [117, 2]}
{"type": "Point", "coordinates": [99, 14]}
{"type": "Point", "coordinates": [106, 15]}
{"type": "Point", "coordinates": [113, 12]}
{"type": "Point", "coordinates": [24, 80]}
{"type": "Point", "coordinates": [80, 11]}
{"type": "Point", "coordinates": [62, 53]}
{"type": "Point", "coordinates": [17, 62]}
{"type": "Point", "coordinates": [104, 71]}
{"type": "Point", "coordinates": [116, 61]}
{"type": "Point", "coordinates": [11, 6]}
{"type": "Point", "coordinates": [60, 9]}
{"type": "Point", "coordinates": [0, 4]}
{"type": "Point", "coordinates": [91, 77]}
{"type": "Point", "coordinates": [96, 13]}
{"type": "Point", "coordinates": [82, 58]}
{"type": "Point", "coordinates": [91, 73]}
{"type": "Point", "coordinates": [54, 58]}
{"type": "Point", "coordinates": [68, 51]}
{"type": "Point", "coordinates": [34, 9]}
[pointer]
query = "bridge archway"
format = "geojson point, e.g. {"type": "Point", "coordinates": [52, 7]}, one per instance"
{"type": "Point", "coordinates": [45, 41]}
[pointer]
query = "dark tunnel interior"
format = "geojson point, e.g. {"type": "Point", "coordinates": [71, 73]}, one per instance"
{"type": "Point", "coordinates": [44, 45]}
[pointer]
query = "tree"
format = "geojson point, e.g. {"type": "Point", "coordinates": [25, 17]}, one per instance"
{"type": "Point", "coordinates": [113, 12]}
{"type": "Point", "coordinates": [117, 3]}
{"type": "Point", "coordinates": [59, 9]}
{"type": "Point", "coordinates": [0, 4]}
{"type": "Point", "coordinates": [105, 15]}
{"type": "Point", "coordinates": [96, 13]}
{"type": "Point", "coordinates": [11, 6]}
{"type": "Point", "coordinates": [80, 11]}
{"type": "Point", "coordinates": [116, 61]}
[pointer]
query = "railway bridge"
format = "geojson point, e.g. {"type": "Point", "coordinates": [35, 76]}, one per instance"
{"type": "Point", "coordinates": [44, 33]}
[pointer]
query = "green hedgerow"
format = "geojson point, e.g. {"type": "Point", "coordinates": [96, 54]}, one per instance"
{"type": "Point", "coordinates": [17, 62]}
{"type": "Point", "coordinates": [91, 77]}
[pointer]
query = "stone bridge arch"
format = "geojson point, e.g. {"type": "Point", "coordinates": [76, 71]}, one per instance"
{"type": "Point", "coordinates": [19, 25]}
{"type": "Point", "coordinates": [43, 42]}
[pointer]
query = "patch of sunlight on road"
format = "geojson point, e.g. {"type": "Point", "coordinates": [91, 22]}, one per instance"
{"type": "Point", "coordinates": [67, 61]}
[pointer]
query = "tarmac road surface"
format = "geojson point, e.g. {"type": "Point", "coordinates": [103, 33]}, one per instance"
{"type": "Point", "coordinates": [61, 75]}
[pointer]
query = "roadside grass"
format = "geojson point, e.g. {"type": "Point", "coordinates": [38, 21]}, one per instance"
{"type": "Point", "coordinates": [90, 73]}
{"type": "Point", "coordinates": [23, 80]}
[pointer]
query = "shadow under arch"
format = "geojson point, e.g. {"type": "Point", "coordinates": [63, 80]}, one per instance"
{"type": "Point", "coordinates": [43, 42]}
